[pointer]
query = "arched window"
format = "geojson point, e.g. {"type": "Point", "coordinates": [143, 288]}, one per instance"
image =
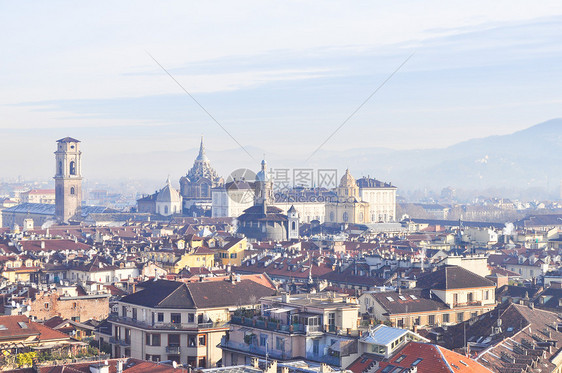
{"type": "Point", "coordinates": [331, 216]}
{"type": "Point", "coordinates": [72, 190]}
{"type": "Point", "coordinates": [294, 225]}
{"type": "Point", "coordinates": [60, 168]}
{"type": "Point", "coordinates": [345, 217]}
{"type": "Point", "coordinates": [165, 210]}
{"type": "Point", "coordinates": [73, 168]}
{"type": "Point", "coordinates": [205, 190]}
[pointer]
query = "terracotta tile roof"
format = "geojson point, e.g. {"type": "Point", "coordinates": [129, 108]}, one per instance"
{"type": "Point", "coordinates": [48, 334]}
{"type": "Point", "coordinates": [430, 358]}
{"type": "Point", "coordinates": [17, 326]}
{"type": "Point", "coordinates": [53, 245]}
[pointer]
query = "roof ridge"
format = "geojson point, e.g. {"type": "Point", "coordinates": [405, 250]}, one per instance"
{"type": "Point", "coordinates": [443, 357]}
{"type": "Point", "coordinates": [172, 292]}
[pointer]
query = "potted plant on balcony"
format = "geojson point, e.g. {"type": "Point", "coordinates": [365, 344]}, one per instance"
{"type": "Point", "coordinates": [248, 338]}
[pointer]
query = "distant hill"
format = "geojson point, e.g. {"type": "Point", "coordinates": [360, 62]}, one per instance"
{"type": "Point", "coordinates": [526, 159]}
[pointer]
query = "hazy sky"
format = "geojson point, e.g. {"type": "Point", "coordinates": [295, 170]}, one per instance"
{"type": "Point", "coordinates": [278, 75]}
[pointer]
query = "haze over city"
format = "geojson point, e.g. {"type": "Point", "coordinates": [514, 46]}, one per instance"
{"type": "Point", "coordinates": [287, 76]}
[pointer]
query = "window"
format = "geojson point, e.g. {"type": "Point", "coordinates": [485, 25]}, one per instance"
{"type": "Point", "coordinates": [400, 323]}
{"type": "Point", "coordinates": [470, 297]}
{"type": "Point", "coordinates": [46, 306]}
{"type": "Point", "coordinates": [455, 299]}
{"type": "Point", "coordinates": [400, 358]}
{"type": "Point", "coordinates": [202, 340]}
{"type": "Point", "coordinates": [72, 168]}
{"type": "Point", "coordinates": [417, 361]}
{"type": "Point", "coordinates": [175, 318]}
{"type": "Point", "coordinates": [155, 340]}
{"type": "Point", "coordinates": [413, 297]}
{"type": "Point", "coordinates": [316, 346]}
{"type": "Point", "coordinates": [192, 341]}
{"type": "Point", "coordinates": [134, 313]}
{"type": "Point", "coordinates": [332, 319]}
{"type": "Point", "coordinates": [390, 299]}
{"type": "Point", "coordinates": [202, 362]}
{"type": "Point", "coordinates": [431, 319]}
{"type": "Point", "coordinates": [487, 294]}
{"type": "Point", "coordinates": [165, 209]}
{"type": "Point", "coordinates": [445, 317]}
{"type": "Point", "coordinates": [124, 311]}
{"type": "Point", "coordinates": [460, 316]}
{"type": "Point", "coordinates": [345, 217]}
{"type": "Point", "coordinates": [173, 340]}
{"type": "Point", "coordinates": [190, 317]}
{"type": "Point", "coordinates": [71, 190]}
{"type": "Point", "coordinates": [60, 167]}
{"type": "Point", "coordinates": [160, 317]}
{"type": "Point", "coordinates": [263, 340]}
{"type": "Point", "coordinates": [280, 343]}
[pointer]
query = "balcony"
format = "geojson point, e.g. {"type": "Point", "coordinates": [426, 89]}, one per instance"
{"type": "Point", "coordinates": [120, 342]}
{"type": "Point", "coordinates": [173, 350]}
{"type": "Point", "coordinates": [475, 303]}
{"type": "Point", "coordinates": [253, 349]}
{"type": "Point", "coordinates": [167, 326]}
{"type": "Point", "coordinates": [273, 325]}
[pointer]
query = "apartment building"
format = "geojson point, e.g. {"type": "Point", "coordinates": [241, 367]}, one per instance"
{"type": "Point", "coordinates": [183, 322]}
{"type": "Point", "coordinates": [319, 327]}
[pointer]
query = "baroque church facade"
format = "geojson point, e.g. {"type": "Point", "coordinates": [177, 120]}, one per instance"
{"type": "Point", "coordinates": [194, 197]}
{"type": "Point", "coordinates": [197, 184]}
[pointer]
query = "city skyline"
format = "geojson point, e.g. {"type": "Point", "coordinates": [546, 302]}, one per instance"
{"type": "Point", "coordinates": [478, 70]}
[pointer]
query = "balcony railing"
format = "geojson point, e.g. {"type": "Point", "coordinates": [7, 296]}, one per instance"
{"type": "Point", "coordinates": [254, 349]}
{"type": "Point", "coordinates": [173, 350]}
{"type": "Point", "coordinates": [276, 326]}
{"type": "Point", "coordinates": [121, 342]}
{"type": "Point", "coordinates": [468, 304]}
{"type": "Point", "coordinates": [167, 326]}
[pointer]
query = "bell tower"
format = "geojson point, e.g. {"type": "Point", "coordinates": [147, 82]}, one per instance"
{"type": "Point", "coordinates": [68, 179]}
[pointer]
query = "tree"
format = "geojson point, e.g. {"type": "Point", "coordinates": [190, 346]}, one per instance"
{"type": "Point", "coordinates": [26, 359]}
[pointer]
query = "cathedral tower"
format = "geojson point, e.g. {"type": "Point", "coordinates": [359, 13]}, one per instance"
{"type": "Point", "coordinates": [68, 179]}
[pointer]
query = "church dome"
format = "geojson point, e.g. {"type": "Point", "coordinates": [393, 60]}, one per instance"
{"type": "Point", "coordinates": [347, 181]}
{"type": "Point", "coordinates": [168, 194]}
{"type": "Point", "coordinates": [262, 174]}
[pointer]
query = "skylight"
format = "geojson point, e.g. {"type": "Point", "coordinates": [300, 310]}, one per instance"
{"type": "Point", "coordinates": [402, 297]}
{"type": "Point", "coordinates": [417, 361]}
{"type": "Point", "coordinates": [413, 297]}
{"type": "Point", "coordinates": [390, 299]}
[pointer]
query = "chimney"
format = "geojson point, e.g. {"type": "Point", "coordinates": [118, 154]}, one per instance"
{"type": "Point", "coordinates": [42, 244]}
{"type": "Point", "coordinates": [255, 362]}
{"type": "Point", "coordinates": [120, 366]}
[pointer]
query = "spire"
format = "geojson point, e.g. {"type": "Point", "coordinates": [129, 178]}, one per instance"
{"type": "Point", "coordinates": [201, 147]}
{"type": "Point", "coordinates": [202, 156]}
{"type": "Point", "coordinates": [168, 182]}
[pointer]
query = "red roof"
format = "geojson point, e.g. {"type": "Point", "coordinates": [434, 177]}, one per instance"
{"type": "Point", "coordinates": [432, 359]}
